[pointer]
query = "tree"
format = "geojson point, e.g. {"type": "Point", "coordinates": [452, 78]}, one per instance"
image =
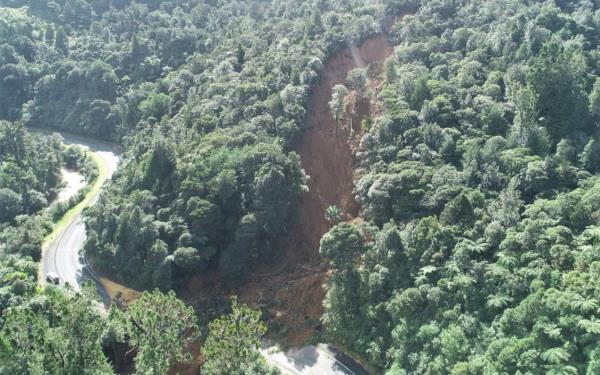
{"type": "Point", "coordinates": [205, 218]}
{"type": "Point", "coordinates": [458, 211]}
{"type": "Point", "coordinates": [11, 204]}
{"type": "Point", "coordinates": [160, 326]}
{"type": "Point", "coordinates": [401, 6]}
{"type": "Point", "coordinates": [56, 333]}
{"type": "Point", "coordinates": [526, 116]}
{"type": "Point", "coordinates": [233, 342]}
{"type": "Point", "coordinates": [590, 156]}
{"type": "Point", "coordinates": [594, 100]}
{"type": "Point", "coordinates": [77, 341]}
{"type": "Point", "coordinates": [156, 105]}
{"type": "Point", "coordinates": [137, 49]}
{"type": "Point", "coordinates": [61, 41]}
{"type": "Point", "coordinates": [357, 79]}
{"type": "Point", "coordinates": [240, 56]}
{"type": "Point", "coordinates": [187, 258]}
{"type": "Point", "coordinates": [21, 338]}
{"type": "Point", "coordinates": [555, 77]}
{"type": "Point", "coordinates": [342, 244]}
{"type": "Point", "coordinates": [419, 94]}
{"type": "Point", "coordinates": [49, 35]}
{"type": "Point", "coordinates": [234, 259]}
{"type": "Point", "coordinates": [336, 105]}
{"type": "Point", "coordinates": [333, 214]}
{"type": "Point", "coordinates": [14, 79]}
{"type": "Point", "coordinates": [390, 71]}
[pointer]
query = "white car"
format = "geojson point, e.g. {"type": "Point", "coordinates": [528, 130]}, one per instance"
{"type": "Point", "coordinates": [52, 278]}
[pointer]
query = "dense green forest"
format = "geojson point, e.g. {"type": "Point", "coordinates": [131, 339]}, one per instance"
{"type": "Point", "coordinates": [209, 180]}
{"type": "Point", "coordinates": [206, 98]}
{"type": "Point", "coordinates": [477, 250]}
{"type": "Point", "coordinates": [29, 181]}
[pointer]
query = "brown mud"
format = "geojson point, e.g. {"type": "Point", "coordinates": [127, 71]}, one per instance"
{"type": "Point", "coordinates": [294, 293]}
{"type": "Point", "coordinates": [290, 289]}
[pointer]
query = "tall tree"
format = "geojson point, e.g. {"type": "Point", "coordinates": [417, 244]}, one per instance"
{"type": "Point", "coordinates": [233, 342]}
{"type": "Point", "coordinates": [160, 326]}
{"type": "Point", "coordinates": [357, 79]}
{"type": "Point", "coordinates": [336, 105]}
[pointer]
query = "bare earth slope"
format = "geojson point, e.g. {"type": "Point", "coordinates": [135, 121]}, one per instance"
{"type": "Point", "coordinates": [329, 159]}
{"type": "Point", "coordinates": [290, 290]}
{"type": "Point", "coordinates": [294, 292]}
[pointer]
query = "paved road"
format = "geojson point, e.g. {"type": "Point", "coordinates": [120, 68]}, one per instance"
{"type": "Point", "coordinates": [321, 359]}
{"type": "Point", "coordinates": [74, 182]}
{"type": "Point", "coordinates": [62, 255]}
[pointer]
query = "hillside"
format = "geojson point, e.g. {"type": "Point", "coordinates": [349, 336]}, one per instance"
{"type": "Point", "coordinates": [413, 182]}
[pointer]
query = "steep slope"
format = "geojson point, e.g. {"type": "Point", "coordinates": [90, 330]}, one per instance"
{"type": "Point", "coordinates": [327, 157]}
{"type": "Point", "coordinates": [295, 291]}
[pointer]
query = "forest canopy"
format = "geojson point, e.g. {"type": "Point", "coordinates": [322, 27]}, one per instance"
{"type": "Point", "coordinates": [479, 188]}
{"type": "Point", "coordinates": [477, 175]}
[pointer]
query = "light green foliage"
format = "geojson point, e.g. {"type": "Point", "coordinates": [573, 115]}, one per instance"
{"type": "Point", "coordinates": [160, 326]}
{"type": "Point", "coordinates": [342, 245]}
{"type": "Point", "coordinates": [54, 333]}
{"type": "Point", "coordinates": [337, 103]}
{"type": "Point", "coordinates": [233, 343]}
{"type": "Point", "coordinates": [480, 250]}
{"type": "Point", "coordinates": [157, 105]}
{"type": "Point", "coordinates": [62, 332]}
{"type": "Point", "coordinates": [29, 180]}
{"type": "Point", "coordinates": [333, 214]}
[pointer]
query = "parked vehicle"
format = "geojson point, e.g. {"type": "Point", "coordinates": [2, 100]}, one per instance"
{"type": "Point", "coordinates": [52, 278]}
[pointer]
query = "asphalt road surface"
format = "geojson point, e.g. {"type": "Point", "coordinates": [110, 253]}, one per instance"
{"type": "Point", "coordinates": [62, 256]}
{"type": "Point", "coordinates": [321, 359]}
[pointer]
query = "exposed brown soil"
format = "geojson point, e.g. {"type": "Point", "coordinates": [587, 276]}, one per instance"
{"type": "Point", "coordinates": [294, 294]}
{"type": "Point", "coordinates": [290, 290]}
{"type": "Point", "coordinates": [122, 295]}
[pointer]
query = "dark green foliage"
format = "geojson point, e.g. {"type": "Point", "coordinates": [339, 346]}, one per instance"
{"type": "Point", "coordinates": [419, 94]}
{"type": "Point", "coordinates": [342, 244]}
{"type": "Point", "coordinates": [556, 78]}
{"type": "Point", "coordinates": [235, 258]}
{"type": "Point", "coordinates": [211, 98]}
{"type": "Point", "coordinates": [29, 170]}
{"type": "Point", "coordinates": [11, 204]}
{"type": "Point", "coordinates": [78, 97]}
{"type": "Point", "coordinates": [160, 325]}
{"type": "Point", "coordinates": [29, 181]}
{"type": "Point", "coordinates": [480, 189]}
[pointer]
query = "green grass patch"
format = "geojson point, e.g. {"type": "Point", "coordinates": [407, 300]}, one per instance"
{"type": "Point", "coordinates": [72, 213]}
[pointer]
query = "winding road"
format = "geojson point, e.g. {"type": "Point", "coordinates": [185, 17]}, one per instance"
{"type": "Point", "coordinates": [61, 255]}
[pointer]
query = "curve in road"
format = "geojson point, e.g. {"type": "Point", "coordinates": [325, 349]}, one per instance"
{"type": "Point", "coordinates": [61, 255]}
